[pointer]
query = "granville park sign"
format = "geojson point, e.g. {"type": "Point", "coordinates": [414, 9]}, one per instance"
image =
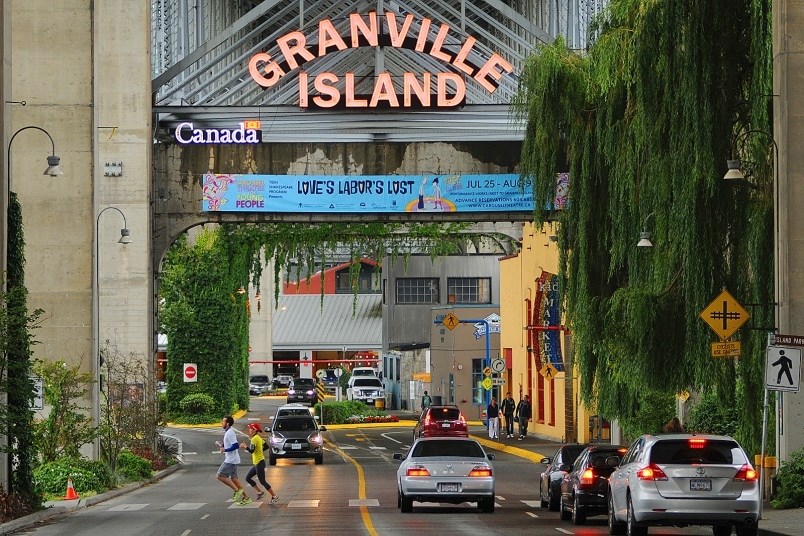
{"type": "Point", "coordinates": [329, 90]}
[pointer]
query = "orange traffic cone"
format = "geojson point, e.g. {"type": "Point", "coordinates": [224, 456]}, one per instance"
{"type": "Point", "coordinates": [71, 494]}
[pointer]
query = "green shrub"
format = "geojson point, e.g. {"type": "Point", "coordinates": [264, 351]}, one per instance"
{"type": "Point", "coordinates": [197, 403]}
{"type": "Point", "coordinates": [132, 467]}
{"type": "Point", "coordinates": [87, 475]}
{"type": "Point", "coordinates": [339, 412]}
{"type": "Point", "coordinates": [713, 415]}
{"type": "Point", "coordinates": [790, 480]}
{"type": "Point", "coordinates": [197, 418]}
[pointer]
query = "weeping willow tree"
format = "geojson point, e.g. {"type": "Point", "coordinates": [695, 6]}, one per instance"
{"type": "Point", "coordinates": [644, 121]}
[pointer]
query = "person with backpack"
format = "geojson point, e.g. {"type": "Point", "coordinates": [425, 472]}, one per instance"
{"type": "Point", "coordinates": [426, 401]}
{"type": "Point", "coordinates": [256, 448]}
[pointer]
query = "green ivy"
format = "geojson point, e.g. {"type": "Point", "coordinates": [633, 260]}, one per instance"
{"type": "Point", "coordinates": [644, 121]}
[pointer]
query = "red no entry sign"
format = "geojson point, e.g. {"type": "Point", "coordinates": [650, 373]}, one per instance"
{"type": "Point", "coordinates": [190, 372]}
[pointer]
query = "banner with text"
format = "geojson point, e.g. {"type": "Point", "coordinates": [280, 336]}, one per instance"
{"type": "Point", "coordinates": [367, 193]}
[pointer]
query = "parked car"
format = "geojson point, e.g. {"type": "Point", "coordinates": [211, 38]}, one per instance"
{"type": "Point", "coordinates": [550, 480]}
{"type": "Point", "coordinates": [282, 380]}
{"type": "Point", "coordinates": [302, 390]}
{"type": "Point", "coordinates": [366, 389]}
{"type": "Point", "coordinates": [681, 480]}
{"type": "Point", "coordinates": [259, 384]}
{"type": "Point", "coordinates": [330, 380]}
{"type": "Point", "coordinates": [585, 487]}
{"type": "Point", "coordinates": [441, 421]}
{"type": "Point", "coordinates": [296, 436]}
{"type": "Point", "coordinates": [445, 469]}
{"type": "Point", "coordinates": [362, 372]}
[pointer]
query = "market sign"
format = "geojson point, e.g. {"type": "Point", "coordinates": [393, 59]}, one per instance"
{"type": "Point", "coordinates": [369, 30]}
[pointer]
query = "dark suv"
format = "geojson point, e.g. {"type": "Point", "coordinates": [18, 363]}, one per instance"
{"type": "Point", "coordinates": [296, 436]}
{"type": "Point", "coordinates": [585, 488]}
{"type": "Point", "coordinates": [441, 421]}
{"type": "Point", "coordinates": [302, 390]}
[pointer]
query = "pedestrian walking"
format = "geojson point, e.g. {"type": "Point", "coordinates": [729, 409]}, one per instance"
{"type": "Point", "coordinates": [523, 414]}
{"type": "Point", "coordinates": [673, 426]}
{"type": "Point", "coordinates": [426, 401]}
{"type": "Point", "coordinates": [493, 416]}
{"type": "Point", "coordinates": [227, 472]}
{"type": "Point", "coordinates": [257, 448]}
{"type": "Point", "coordinates": [508, 407]}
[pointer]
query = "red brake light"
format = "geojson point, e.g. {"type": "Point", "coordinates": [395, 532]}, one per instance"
{"type": "Point", "coordinates": [746, 474]}
{"type": "Point", "coordinates": [462, 419]}
{"type": "Point", "coordinates": [417, 470]}
{"type": "Point", "coordinates": [587, 478]}
{"type": "Point", "coordinates": [651, 472]}
{"type": "Point", "coordinates": [697, 443]}
{"type": "Point", "coordinates": [480, 471]}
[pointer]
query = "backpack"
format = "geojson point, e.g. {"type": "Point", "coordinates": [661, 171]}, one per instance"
{"type": "Point", "coordinates": [426, 400]}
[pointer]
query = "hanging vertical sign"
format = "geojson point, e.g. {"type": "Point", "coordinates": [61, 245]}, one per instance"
{"type": "Point", "coordinates": [546, 315]}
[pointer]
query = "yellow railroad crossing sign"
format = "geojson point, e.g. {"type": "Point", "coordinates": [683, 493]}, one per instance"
{"type": "Point", "coordinates": [451, 321]}
{"type": "Point", "coordinates": [724, 315]}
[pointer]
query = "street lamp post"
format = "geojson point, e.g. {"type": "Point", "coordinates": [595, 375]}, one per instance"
{"type": "Point", "coordinates": [125, 238]}
{"type": "Point", "coordinates": [18, 364]}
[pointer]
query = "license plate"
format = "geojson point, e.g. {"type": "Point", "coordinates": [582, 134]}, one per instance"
{"type": "Point", "coordinates": [700, 484]}
{"type": "Point", "coordinates": [370, 400]}
{"type": "Point", "coordinates": [445, 425]}
{"type": "Point", "coordinates": [449, 488]}
{"type": "Point", "coordinates": [295, 446]}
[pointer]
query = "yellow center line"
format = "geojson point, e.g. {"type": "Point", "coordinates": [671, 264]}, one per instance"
{"type": "Point", "coordinates": [361, 490]}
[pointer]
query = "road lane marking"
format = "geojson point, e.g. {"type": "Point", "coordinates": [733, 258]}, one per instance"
{"type": "Point", "coordinates": [533, 504]}
{"type": "Point", "coordinates": [500, 498]}
{"type": "Point", "coordinates": [377, 448]}
{"type": "Point", "coordinates": [186, 532]}
{"type": "Point", "coordinates": [187, 506]}
{"type": "Point", "coordinates": [348, 447]}
{"type": "Point", "coordinates": [127, 507]}
{"type": "Point", "coordinates": [304, 504]}
{"type": "Point", "coordinates": [205, 516]}
{"type": "Point", "coordinates": [389, 438]}
{"type": "Point", "coordinates": [364, 502]}
{"type": "Point", "coordinates": [361, 493]}
{"type": "Point", "coordinates": [565, 531]}
{"type": "Point", "coordinates": [531, 514]}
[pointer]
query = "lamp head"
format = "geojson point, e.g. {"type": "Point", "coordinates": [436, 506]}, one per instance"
{"type": "Point", "coordinates": [53, 168]}
{"type": "Point", "coordinates": [644, 240]}
{"type": "Point", "coordinates": [734, 171]}
{"type": "Point", "coordinates": [125, 237]}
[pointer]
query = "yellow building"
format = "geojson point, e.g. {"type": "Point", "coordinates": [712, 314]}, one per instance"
{"type": "Point", "coordinates": [537, 346]}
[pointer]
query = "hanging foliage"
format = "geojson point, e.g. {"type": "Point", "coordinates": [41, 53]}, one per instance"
{"type": "Point", "coordinates": [647, 117]}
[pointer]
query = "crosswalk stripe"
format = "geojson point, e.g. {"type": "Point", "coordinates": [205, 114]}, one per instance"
{"type": "Point", "coordinates": [187, 506]}
{"type": "Point", "coordinates": [377, 448]}
{"type": "Point", "coordinates": [531, 514]}
{"type": "Point", "coordinates": [532, 504]}
{"type": "Point", "coordinates": [303, 504]}
{"type": "Point", "coordinates": [364, 502]}
{"type": "Point", "coordinates": [127, 507]}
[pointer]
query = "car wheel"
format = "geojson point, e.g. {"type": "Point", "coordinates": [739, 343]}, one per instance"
{"type": "Point", "coordinates": [271, 459]}
{"type": "Point", "coordinates": [486, 504]}
{"type": "Point", "coordinates": [405, 504]}
{"type": "Point", "coordinates": [721, 530]}
{"type": "Point", "coordinates": [747, 530]}
{"type": "Point", "coordinates": [563, 513]}
{"type": "Point", "coordinates": [398, 500]}
{"type": "Point", "coordinates": [319, 459]}
{"type": "Point", "coordinates": [552, 499]}
{"type": "Point", "coordinates": [578, 514]}
{"type": "Point", "coordinates": [615, 527]}
{"type": "Point", "coordinates": [632, 529]}
{"type": "Point", "coordinates": [542, 501]}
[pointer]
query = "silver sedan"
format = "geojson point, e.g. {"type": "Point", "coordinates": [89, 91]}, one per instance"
{"type": "Point", "coordinates": [450, 470]}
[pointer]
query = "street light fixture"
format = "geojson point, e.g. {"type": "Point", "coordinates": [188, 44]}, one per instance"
{"type": "Point", "coordinates": [645, 236]}
{"type": "Point", "coordinates": [125, 238]}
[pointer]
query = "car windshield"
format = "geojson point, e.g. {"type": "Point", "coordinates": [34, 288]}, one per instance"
{"type": "Point", "coordinates": [697, 451]}
{"type": "Point", "coordinates": [303, 382]}
{"type": "Point", "coordinates": [363, 372]}
{"type": "Point", "coordinates": [293, 411]}
{"type": "Point", "coordinates": [368, 382]}
{"type": "Point", "coordinates": [294, 425]}
{"type": "Point", "coordinates": [445, 414]}
{"type": "Point", "coordinates": [260, 379]}
{"type": "Point", "coordinates": [457, 449]}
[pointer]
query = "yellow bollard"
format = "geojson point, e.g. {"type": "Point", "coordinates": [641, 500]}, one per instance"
{"type": "Point", "coordinates": [769, 466]}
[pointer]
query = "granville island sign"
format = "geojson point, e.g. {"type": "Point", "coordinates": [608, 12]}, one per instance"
{"type": "Point", "coordinates": [330, 90]}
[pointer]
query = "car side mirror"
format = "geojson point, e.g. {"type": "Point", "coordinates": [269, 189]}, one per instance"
{"type": "Point", "coordinates": [399, 456]}
{"type": "Point", "coordinates": [322, 428]}
{"type": "Point", "coordinates": [545, 461]}
{"type": "Point", "coordinates": [566, 467]}
{"type": "Point", "coordinates": [490, 456]}
{"type": "Point", "coordinates": [612, 461]}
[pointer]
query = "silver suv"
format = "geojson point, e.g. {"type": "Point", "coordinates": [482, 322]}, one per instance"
{"type": "Point", "coordinates": [684, 479]}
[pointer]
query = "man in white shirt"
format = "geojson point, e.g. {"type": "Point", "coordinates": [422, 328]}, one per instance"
{"type": "Point", "coordinates": [227, 472]}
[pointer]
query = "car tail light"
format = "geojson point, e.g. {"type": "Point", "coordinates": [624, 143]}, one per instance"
{"type": "Point", "coordinates": [587, 478]}
{"type": "Point", "coordinates": [417, 470]}
{"type": "Point", "coordinates": [480, 470]}
{"type": "Point", "coordinates": [697, 443]}
{"type": "Point", "coordinates": [746, 474]}
{"type": "Point", "coordinates": [651, 472]}
{"type": "Point", "coordinates": [461, 418]}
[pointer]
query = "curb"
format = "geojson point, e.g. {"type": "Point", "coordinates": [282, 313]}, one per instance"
{"type": "Point", "coordinates": [54, 509]}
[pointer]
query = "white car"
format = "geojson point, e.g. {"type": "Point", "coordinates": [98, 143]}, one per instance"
{"type": "Point", "coordinates": [362, 372]}
{"type": "Point", "coordinates": [684, 479]}
{"type": "Point", "coordinates": [366, 389]}
{"type": "Point", "coordinates": [450, 470]}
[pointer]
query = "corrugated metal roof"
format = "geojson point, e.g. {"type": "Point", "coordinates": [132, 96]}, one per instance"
{"type": "Point", "coordinates": [300, 322]}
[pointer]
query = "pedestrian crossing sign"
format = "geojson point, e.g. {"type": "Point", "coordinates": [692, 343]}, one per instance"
{"type": "Point", "coordinates": [783, 368]}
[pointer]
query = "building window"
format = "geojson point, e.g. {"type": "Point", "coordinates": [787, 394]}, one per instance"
{"type": "Point", "coordinates": [478, 393]}
{"type": "Point", "coordinates": [469, 290]}
{"type": "Point", "coordinates": [417, 290]}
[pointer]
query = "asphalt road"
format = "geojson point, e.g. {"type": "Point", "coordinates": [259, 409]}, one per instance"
{"type": "Point", "coordinates": [352, 493]}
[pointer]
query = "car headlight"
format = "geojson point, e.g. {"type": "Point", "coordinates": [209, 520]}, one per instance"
{"type": "Point", "coordinates": [291, 391]}
{"type": "Point", "coordinates": [310, 392]}
{"type": "Point", "coordinates": [277, 439]}
{"type": "Point", "coordinates": [315, 439]}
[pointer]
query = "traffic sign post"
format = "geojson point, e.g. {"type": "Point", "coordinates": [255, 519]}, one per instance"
{"type": "Point", "coordinates": [724, 315]}
{"type": "Point", "coordinates": [190, 372]}
{"type": "Point", "coordinates": [498, 365]}
{"type": "Point", "coordinates": [783, 368]}
{"type": "Point", "coordinates": [451, 321]}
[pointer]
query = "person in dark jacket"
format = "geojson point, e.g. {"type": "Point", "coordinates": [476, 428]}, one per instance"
{"type": "Point", "coordinates": [523, 414]}
{"type": "Point", "coordinates": [508, 407]}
